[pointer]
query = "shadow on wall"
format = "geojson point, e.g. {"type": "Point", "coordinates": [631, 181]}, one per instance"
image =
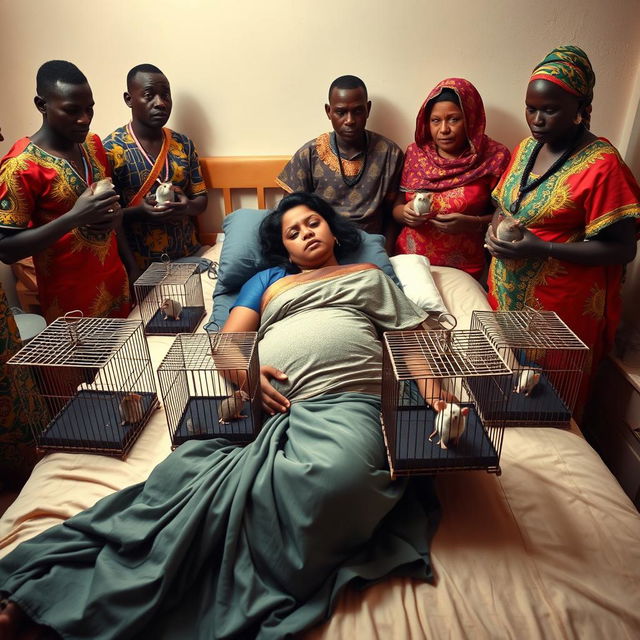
{"type": "Point", "coordinates": [190, 118]}
{"type": "Point", "coordinates": [504, 127]}
{"type": "Point", "coordinates": [387, 120]}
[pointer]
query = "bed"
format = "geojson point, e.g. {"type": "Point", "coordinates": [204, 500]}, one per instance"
{"type": "Point", "coordinates": [548, 549]}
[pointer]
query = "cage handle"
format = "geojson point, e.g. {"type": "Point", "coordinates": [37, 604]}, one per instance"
{"type": "Point", "coordinates": [214, 336]}
{"type": "Point", "coordinates": [443, 320]}
{"type": "Point", "coordinates": [534, 314]}
{"type": "Point", "coordinates": [72, 318]}
{"type": "Point", "coordinates": [166, 261]}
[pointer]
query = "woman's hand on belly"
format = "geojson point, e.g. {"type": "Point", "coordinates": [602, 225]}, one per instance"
{"type": "Point", "coordinates": [272, 400]}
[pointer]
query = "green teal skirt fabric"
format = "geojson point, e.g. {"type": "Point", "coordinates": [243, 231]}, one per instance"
{"type": "Point", "coordinates": [228, 542]}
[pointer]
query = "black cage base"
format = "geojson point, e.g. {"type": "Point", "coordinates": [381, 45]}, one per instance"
{"type": "Point", "coordinates": [190, 318]}
{"type": "Point", "coordinates": [91, 423]}
{"type": "Point", "coordinates": [543, 408]}
{"type": "Point", "coordinates": [200, 421]}
{"type": "Point", "coordinates": [414, 454]}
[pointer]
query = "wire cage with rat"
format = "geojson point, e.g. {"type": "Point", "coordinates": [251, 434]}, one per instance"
{"type": "Point", "coordinates": [433, 420]}
{"type": "Point", "coordinates": [170, 298]}
{"type": "Point", "coordinates": [94, 382]}
{"type": "Point", "coordinates": [210, 387]}
{"type": "Point", "coordinates": [547, 359]}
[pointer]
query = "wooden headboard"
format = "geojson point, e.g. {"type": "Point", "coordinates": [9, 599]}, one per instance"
{"type": "Point", "coordinates": [256, 173]}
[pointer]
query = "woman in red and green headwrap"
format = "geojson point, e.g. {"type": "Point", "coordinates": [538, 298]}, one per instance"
{"type": "Point", "coordinates": [578, 205]}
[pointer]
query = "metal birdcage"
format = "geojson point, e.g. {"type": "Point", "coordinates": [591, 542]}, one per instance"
{"type": "Point", "coordinates": [170, 298]}
{"type": "Point", "coordinates": [95, 382]}
{"type": "Point", "coordinates": [210, 387]}
{"type": "Point", "coordinates": [432, 419]}
{"type": "Point", "coordinates": [547, 359]}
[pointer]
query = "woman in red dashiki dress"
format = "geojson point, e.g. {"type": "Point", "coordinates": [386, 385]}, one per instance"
{"type": "Point", "coordinates": [578, 205]}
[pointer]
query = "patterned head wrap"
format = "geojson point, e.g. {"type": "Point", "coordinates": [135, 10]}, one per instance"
{"type": "Point", "coordinates": [568, 67]}
{"type": "Point", "coordinates": [425, 170]}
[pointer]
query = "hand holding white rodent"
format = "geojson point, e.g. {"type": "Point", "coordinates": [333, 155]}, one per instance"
{"type": "Point", "coordinates": [94, 208]}
{"type": "Point", "coordinates": [412, 218]}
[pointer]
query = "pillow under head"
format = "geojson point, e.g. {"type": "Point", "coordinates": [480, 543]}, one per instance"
{"type": "Point", "coordinates": [242, 258]}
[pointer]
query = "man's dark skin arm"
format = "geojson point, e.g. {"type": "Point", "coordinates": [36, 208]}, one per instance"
{"type": "Point", "coordinates": [88, 210]}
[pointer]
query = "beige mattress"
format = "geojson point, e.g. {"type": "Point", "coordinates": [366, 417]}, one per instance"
{"type": "Point", "coordinates": [549, 549]}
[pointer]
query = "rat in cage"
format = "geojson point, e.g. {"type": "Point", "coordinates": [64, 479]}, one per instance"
{"type": "Point", "coordinates": [131, 409]}
{"type": "Point", "coordinates": [547, 360]}
{"type": "Point", "coordinates": [170, 297]}
{"type": "Point", "coordinates": [450, 423]}
{"type": "Point", "coordinates": [231, 408]}
{"type": "Point", "coordinates": [170, 309]}
{"type": "Point", "coordinates": [528, 380]}
{"type": "Point", "coordinates": [93, 374]}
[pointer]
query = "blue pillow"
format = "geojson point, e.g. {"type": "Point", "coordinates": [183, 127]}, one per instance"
{"type": "Point", "coordinates": [242, 258]}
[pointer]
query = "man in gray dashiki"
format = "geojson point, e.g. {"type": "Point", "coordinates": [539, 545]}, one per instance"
{"type": "Point", "coordinates": [355, 170]}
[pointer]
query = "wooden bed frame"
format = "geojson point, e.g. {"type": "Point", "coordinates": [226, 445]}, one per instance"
{"type": "Point", "coordinates": [228, 173]}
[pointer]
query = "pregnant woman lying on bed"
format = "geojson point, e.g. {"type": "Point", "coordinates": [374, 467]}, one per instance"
{"type": "Point", "coordinates": [223, 541]}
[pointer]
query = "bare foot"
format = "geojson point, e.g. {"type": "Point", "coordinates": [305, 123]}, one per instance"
{"type": "Point", "coordinates": [16, 625]}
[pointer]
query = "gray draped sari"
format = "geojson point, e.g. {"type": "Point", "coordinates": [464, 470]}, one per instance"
{"type": "Point", "coordinates": [230, 542]}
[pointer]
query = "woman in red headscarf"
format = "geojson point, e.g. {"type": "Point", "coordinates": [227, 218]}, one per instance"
{"type": "Point", "coordinates": [453, 160]}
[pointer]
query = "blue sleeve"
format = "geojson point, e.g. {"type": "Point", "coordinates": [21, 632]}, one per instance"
{"type": "Point", "coordinates": [250, 295]}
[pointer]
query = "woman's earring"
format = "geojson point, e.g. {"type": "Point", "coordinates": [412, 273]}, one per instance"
{"type": "Point", "coordinates": [578, 119]}
{"type": "Point", "coordinates": [337, 241]}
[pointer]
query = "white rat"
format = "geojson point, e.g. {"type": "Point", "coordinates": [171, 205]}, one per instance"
{"type": "Point", "coordinates": [509, 230]}
{"type": "Point", "coordinates": [422, 203]}
{"type": "Point", "coordinates": [170, 309]}
{"type": "Point", "coordinates": [131, 408]}
{"type": "Point", "coordinates": [102, 186]}
{"type": "Point", "coordinates": [527, 381]}
{"type": "Point", "coordinates": [450, 423]}
{"type": "Point", "coordinates": [231, 408]}
{"type": "Point", "coordinates": [164, 193]}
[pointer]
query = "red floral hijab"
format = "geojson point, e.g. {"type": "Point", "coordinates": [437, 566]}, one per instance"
{"type": "Point", "coordinates": [425, 170]}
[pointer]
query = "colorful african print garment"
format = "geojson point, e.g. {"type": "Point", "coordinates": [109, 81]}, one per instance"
{"type": "Point", "coordinates": [315, 169]}
{"type": "Point", "coordinates": [177, 163]}
{"type": "Point", "coordinates": [464, 251]}
{"type": "Point", "coordinates": [17, 406]}
{"type": "Point", "coordinates": [82, 270]}
{"type": "Point", "coordinates": [593, 190]}
{"type": "Point", "coordinates": [459, 185]}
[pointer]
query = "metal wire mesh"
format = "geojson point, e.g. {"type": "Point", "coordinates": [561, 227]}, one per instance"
{"type": "Point", "coordinates": [96, 383]}
{"type": "Point", "coordinates": [548, 361]}
{"type": "Point", "coordinates": [211, 392]}
{"type": "Point", "coordinates": [440, 397]}
{"type": "Point", "coordinates": [170, 298]}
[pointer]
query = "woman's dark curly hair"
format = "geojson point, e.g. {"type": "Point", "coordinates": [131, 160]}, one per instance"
{"type": "Point", "coordinates": [343, 229]}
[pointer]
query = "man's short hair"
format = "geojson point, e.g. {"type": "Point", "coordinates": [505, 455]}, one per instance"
{"type": "Point", "coordinates": [54, 71]}
{"type": "Point", "coordinates": [141, 68]}
{"type": "Point", "coordinates": [348, 82]}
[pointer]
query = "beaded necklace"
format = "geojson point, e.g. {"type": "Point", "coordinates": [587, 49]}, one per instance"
{"type": "Point", "coordinates": [525, 188]}
{"type": "Point", "coordinates": [350, 181]}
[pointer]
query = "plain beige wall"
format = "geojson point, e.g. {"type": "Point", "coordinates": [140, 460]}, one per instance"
{"type": "Point", "coordinates": [250, 77]}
